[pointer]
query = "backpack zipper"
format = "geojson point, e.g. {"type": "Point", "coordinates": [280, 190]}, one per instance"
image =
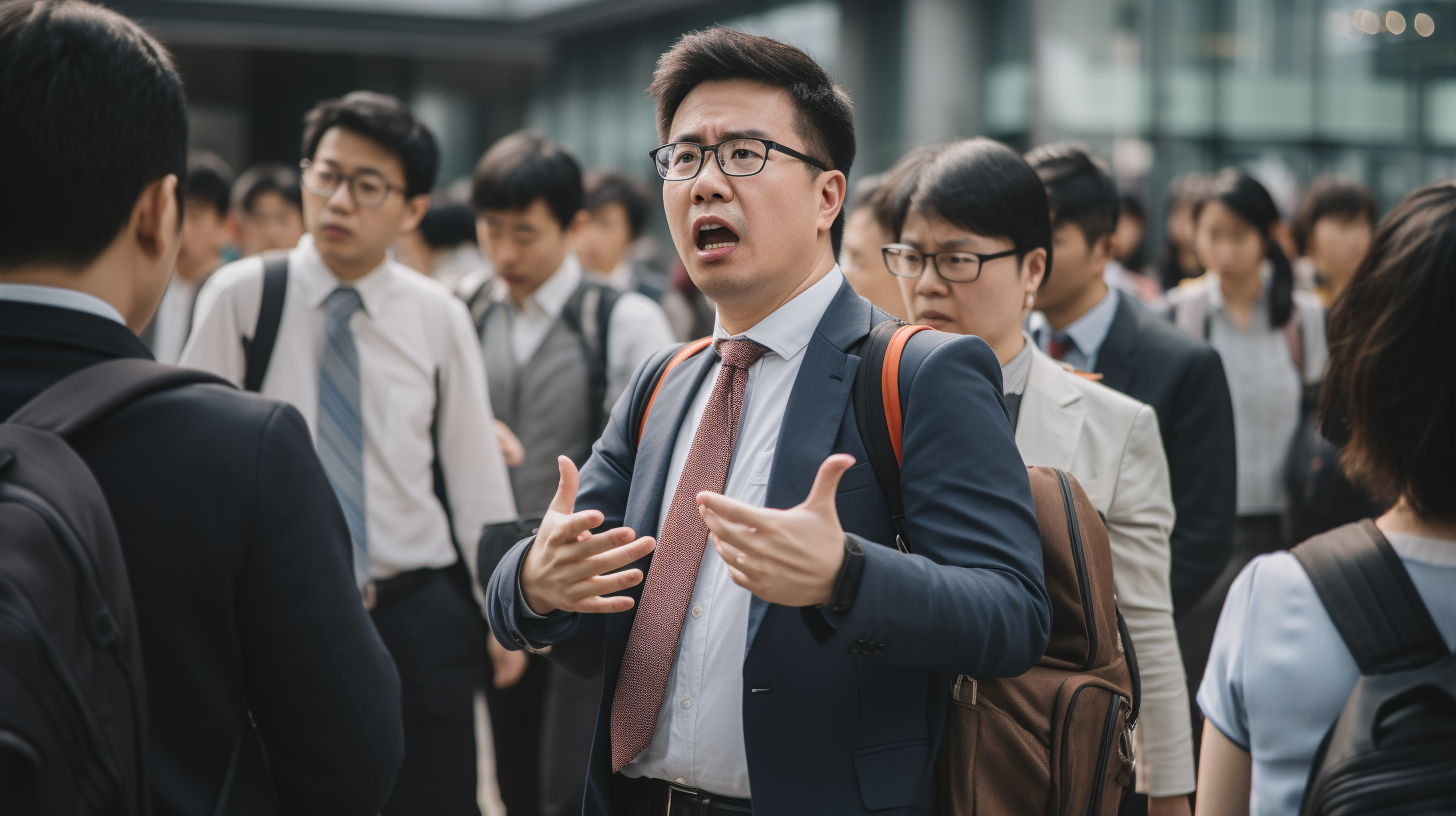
{"type": "Point", "coordinates": [1079, 558]}
{"type": "Point", "coordinates": [1109, 734]}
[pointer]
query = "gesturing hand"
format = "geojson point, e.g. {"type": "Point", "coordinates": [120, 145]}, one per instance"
{"type": "Point", "coordinates": [789, 557]}
{"type": "Point", "coordinates": [567, 567]}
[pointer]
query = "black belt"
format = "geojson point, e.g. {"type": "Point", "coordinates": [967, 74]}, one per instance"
{"type": "Point", "coordinates": [382, 593]}
{"type": "Point", "coordinates": [656, 797]}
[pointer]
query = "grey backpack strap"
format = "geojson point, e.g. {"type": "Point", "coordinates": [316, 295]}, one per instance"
{"type": "Point", "coordinates": [1371, 599]}
{"type": "Point", "coordinates": [74, 403]}
{"type": "Point", "coordinates": [589, 313]}
{"type": "Point", "coordinates": [258, 350]}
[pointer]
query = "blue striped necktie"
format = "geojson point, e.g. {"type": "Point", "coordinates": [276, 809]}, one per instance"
{"type": "Point", "coordinates": [341, 422]}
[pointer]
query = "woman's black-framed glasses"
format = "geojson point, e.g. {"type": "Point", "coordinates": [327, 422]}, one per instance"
{"type": "Point", "coordinates": [367, 188]}
{"type": "Point", "coordinates": [680, 161]}
{"type": "Point", "coordinates": [905, 261]}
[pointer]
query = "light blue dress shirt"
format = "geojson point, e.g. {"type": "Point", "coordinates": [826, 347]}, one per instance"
{"type": "Point", "coordinates": [1084, 335]}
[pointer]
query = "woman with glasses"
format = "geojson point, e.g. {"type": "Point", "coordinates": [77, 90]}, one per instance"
{"type": "Point", "coordinates": [973, 246]}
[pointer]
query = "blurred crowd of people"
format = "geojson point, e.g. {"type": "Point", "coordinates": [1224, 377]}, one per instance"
{"type": "Point", "coordinates": [1261, 379]}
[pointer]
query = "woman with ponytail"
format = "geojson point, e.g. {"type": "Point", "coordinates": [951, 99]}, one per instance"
{"type": "Point", "coordinates": [1272, 341]}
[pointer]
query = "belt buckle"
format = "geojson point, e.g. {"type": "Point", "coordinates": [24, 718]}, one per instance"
{"type": "Point", "coordinates": [371, 596]}
{"type": "Point", "coordinates": [671, 789]}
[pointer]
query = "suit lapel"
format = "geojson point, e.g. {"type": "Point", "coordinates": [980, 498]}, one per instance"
{"type": "Point", "coordinates": [1117, 359]}
{"type": "Point", "coordinates": [1051, 416]}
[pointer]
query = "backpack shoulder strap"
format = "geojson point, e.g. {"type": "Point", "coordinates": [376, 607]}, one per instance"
{"type": "Point", "coordinates": [76, 402]}
{"type": "Point", "coordinates": [879, 415]}
{"type": "Point", "coordinates": [1371, 599]}
{"type": "Point", "coordinates": [258, 350]}
{"type": "Point", "coordinates": [683, 353]}
{"type": "Point", "coordinates": [589, 313]}
{"type": "Point", "coordinates": [478, 303]}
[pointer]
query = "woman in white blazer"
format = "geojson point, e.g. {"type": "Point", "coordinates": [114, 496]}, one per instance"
{"type": "Point", "coordinates": [973, 246]}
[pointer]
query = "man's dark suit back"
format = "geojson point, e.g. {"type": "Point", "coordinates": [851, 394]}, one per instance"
{"type": "Point", "coordinates": [1183, 379]}
{"type": "Point", "coordinates": [239, 562]}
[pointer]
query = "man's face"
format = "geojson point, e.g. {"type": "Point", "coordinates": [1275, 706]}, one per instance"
{"type": "Point", "coordinates": [601, 237]}
{"type": "Point", "coordinates": [349, 236]}
{"type": "Point", "coordinates": [1076, 266]}
{"type": "Point", "coordinates": [204, 234]}
{"type": "Point", "coordinates": [272, 222]}
{"type": "Point", "coordinates": [754, 238]}
{"type": "Point", "coordinates": [525, 246]}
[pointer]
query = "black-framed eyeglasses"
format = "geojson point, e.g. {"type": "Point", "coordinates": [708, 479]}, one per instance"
{"type": "Point", "coordinates": [681, 161]}
{"type": "Point", "coordinates": [367, 188]}
{"type": "Point", "coordinates": [905, 261]}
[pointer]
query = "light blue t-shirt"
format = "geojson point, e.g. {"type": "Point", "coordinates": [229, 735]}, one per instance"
{"type": "Point", "coordinates": [1279, 674]}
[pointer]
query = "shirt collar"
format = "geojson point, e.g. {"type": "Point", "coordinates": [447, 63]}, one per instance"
{"type": "Point", "coordinates": [789, 328]}
{"type": "Point", "coordinates": [1017, 371]}
{"type": "Point", "coordinates": [72, 299]}
{"type": "Point", "coordinates": [1215, 291]}
{"type": "Point", "coordinates": [319, 282]}
{"type": "Point", "coordinates": [1089, 330]}
{"type": "Point", "coordinates": [552, 295]}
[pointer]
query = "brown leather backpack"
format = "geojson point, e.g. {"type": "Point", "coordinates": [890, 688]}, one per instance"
{"type": "Point", "coordinates": [1057, 739]}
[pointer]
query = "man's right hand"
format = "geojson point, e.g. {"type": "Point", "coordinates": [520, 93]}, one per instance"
{"type": "Point", "coordinates": [567, 567]}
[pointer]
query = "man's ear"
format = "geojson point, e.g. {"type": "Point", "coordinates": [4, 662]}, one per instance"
{"type": "Point", "coordinates": [1034, 265]}
{"type": "Point", "coordinates": [1105, 249]}
{"type": "Point", "coordinates": [156, 220]}
{"type": "Point", "coordinates": [582, 218]}
{"type": "Point", "coordinates": [414, 211]}
{"type": "Point", "coordinates": [833, 187]}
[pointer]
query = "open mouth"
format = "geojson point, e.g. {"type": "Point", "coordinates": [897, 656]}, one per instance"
{"type": "Point", "coordinates": [716, 236]}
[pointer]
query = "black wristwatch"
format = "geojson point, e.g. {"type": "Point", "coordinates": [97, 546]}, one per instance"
{"type": "Point", "coordinates": [846, 584]}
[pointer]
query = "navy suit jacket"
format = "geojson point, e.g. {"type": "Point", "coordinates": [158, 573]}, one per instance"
{"type": "Point", "coordinates": [842, 714]}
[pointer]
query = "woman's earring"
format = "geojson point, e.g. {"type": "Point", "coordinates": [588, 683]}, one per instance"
{"type": "Point", "coordinates": [1030, 300]}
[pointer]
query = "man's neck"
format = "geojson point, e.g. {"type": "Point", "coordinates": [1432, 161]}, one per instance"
{"type": "Point", "coordinates": [738, 317]}
{"type": "Point", "coordinates": [1009, 346]}
{"type": "Point", "coordinates": [195, 272]}
{"type": "Point", "coordinates": [1086, 300]}
{"type": "Point", "coordinates": [351, 271]}
{"type": "Point", "coordinates": [519, 291]}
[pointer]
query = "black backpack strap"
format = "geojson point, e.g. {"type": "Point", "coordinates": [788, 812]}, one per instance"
{"type": "Point", "coordinates": [478, 303]}
{"type": "Point", "coordinates": [258, 350]}
{"type": "Point", "coordinates": [874, 433]}
{"type": "Point", "coordinates": [74, 403]}
{"type": "Point", "coordinates": [1371, 599]}
{"type": "Point", "coordinates": [589, 313]}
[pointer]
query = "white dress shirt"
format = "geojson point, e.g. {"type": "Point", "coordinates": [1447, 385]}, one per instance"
{"type": "Point", "coordinates": [173, 320]}
{"type": "Point", "coordinates": [638, 326]}
{"type": "Point", "coordinates": [410, 329]}
{"type": "Point", "coordinates": [72, 299]}
{"type": "Point", "coordinates": [699, 737]}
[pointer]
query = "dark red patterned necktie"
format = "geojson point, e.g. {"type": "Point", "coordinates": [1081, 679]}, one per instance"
{"type": "Point", "coordinates": [1058, 349]}
{"type": "Point", "coordinates": [651, 646]}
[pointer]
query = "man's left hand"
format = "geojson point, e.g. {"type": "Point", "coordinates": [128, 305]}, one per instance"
{"type": "Point", "coordinates": [788, 557]}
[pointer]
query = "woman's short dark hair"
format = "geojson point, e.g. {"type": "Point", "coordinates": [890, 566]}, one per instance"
{"type": "Point", "coordinates": [523, 167]}
{"type": "Point", "coordinates": [1079, 189]}
{"type": "Point", "coordinates": [382, 119]}
{"type": "Point", "coordinates": [603, 188]}
{"type": "Point", "coordinates": [91, 112]}
{"type": "Point", "coordinates": [267, 178]}
{"type": "Point", "coordinates": [825, 118]}
{"type": "Point", "coordinates": [1330, 197]}
{"type": "Point", "coordinates": [1386, 398]}
{"type": "Point", "coordinates": [978, 185]}
{"type": "Point", "coordinates": [1246, 198]}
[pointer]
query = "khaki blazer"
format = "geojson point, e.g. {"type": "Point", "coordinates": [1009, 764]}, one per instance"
{"type": "Point", "coordinates": [1110, 443]}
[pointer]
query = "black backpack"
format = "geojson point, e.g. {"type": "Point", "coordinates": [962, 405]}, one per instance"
{"type": "Point", "coordinates": [72, 698]}
{"type": "Point", "coordinates": [1393, 748]}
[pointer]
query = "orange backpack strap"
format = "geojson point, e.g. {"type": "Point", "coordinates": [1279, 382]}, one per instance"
{"type": "Point", "coordinates": [880, 416]}
{"type": "Point", "coordinates": [890, 387]}
{"type": "Point", "coordinates": [674, 361]}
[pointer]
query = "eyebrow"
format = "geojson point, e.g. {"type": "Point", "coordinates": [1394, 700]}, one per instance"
{"type": "Point", "coordinates": [749, 133]}
{"type": "Point", "coordinates": [366, 169]}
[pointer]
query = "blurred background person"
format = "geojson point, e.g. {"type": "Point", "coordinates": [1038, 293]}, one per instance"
{"type": "Point", "coordinates": [1280, 672]}
{"type": "Point", "coordinates": [608, 234]}
{"type": "Point", "coordinates": [1125, 269]}
{"type": "Point", "coordinates": [1331, 232]}
{"type": "Point", "coordinates": [205, 233]}
{"type": "Point", "coordinates": [443, 245]}
{"type": "Point", "coordinates": [1178, 260]}
{"type": "Point", "coordinates": [267, 209]}
{"type": "Point", "coordinates": [1272, 342]}
{"type": "Point", "coordinates": [865, 234]}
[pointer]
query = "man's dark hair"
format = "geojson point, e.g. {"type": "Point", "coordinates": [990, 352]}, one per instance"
{"type": "Point", "coordinates": [603, 188]}
{"type": "Point", "coordinates": [825, 118]}
{"type": "Point", "coordinates": [523, 167]}
{"type": "Point", "coordinates": [448, 224]}
{"type": "Point", "coordinates": [1383, 398]}
{"type": "Point", "coordinates": [980, 186]}
{"type": "Point", "coordinates": [1079, 189]}
{"type": "Point", "coordinates": [385, 121]}
{"type": "Point", "coordinates": [1330, 197]}
{"type": "Point", "coordinates": [267, 178]}
{"type": "Point", "coordinates": [1131, 204]}
{"type": "Point", "coordinates": [209, 181]}
{"type": "Point", "coordinates": [91, 112]}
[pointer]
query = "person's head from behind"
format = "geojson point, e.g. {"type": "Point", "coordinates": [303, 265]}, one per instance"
{"type": "Point", "coordinates": [1132, 226]}
{"type": "Point", "coordinates": [1333, 227]}
{"type": "Point", "coordinates": [1233, 235]}
{"type": "Point", "coordinates": [526, 193]}
{"type": "Point", "coordinates": [446, 227]}
{"type": "Point", "coordinates": [1084, 212]}
{"type": "Point", "coordinates": [93, 148]}
{"type": "Point", "coordinates": [1384, 399]}
{"type": "Point", "coordinates": [613, 216]}
{"type": "Point", "coordinates": [368, 168]}
{"type": "Point", "coordinates": [268, 208]}
{"type": "Point", "coordinates": [755, 218]}
{"type": "Point", "coordinates": [866, 231]}
{"type": "Point", "coordinates": [205, 228]}
{"type": "Point", "coordinates": [974, 241]}
{"type": "Point", "coordinates": [1184, 193]}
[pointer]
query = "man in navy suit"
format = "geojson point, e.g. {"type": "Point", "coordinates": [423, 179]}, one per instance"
{"type": "Point", "coordinates": [802, 664]}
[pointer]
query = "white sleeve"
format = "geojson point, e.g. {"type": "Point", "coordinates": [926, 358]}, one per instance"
{"type": "Point", "coordinates": [637, 330]}
{"type": "Point", "coordinates": [226, 311]}
{"type": "Point", "coordinates": [1139, 523]}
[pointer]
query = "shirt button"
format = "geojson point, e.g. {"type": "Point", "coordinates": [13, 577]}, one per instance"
{"type": "Point", "coordinates": [687, 702]}
{"type": "Point", "coordinates": [697, 611]}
